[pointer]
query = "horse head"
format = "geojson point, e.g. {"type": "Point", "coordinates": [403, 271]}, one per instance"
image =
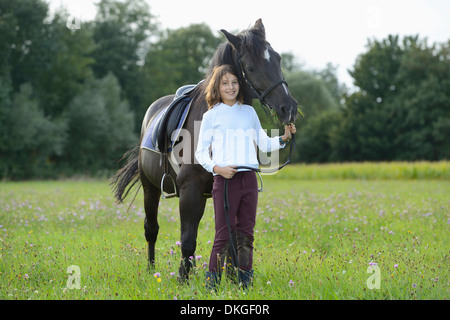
{"type": "Point", "coordinates": [260, 66]}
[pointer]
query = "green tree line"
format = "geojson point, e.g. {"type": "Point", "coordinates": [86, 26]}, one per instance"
{"type": "Point", "coordinates": [73, 95]}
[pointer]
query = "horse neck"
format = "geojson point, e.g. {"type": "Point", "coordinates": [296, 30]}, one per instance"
{"type": "Point", "coordinates": [226, 54]}
{"type": "Point", "coordinates": [199, 99]}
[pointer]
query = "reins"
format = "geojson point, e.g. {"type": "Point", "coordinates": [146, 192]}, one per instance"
{"type": "Point", "coordinates": [226, 204]}
{"type": "Point", "coordinates": [261, 97]}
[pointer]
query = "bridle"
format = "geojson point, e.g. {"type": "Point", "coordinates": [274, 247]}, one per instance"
{"type": "Point", "coordinates": [260, 96]}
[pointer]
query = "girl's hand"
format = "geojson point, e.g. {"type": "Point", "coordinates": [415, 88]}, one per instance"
{"type": "Point", "coordinates": [289, 130]}
{"type": "Point", "coordinates": [227, 172]}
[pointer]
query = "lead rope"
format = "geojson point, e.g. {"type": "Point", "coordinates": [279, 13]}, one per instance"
{"type": "Point", "coordinates": [226, 204]}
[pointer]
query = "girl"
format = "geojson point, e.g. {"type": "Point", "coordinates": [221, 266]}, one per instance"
{"type": "Point", "coordinates": [230, 129]}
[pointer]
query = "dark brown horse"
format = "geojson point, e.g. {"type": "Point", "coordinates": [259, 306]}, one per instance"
{"type": "Point", "coordinates": [259, 66]}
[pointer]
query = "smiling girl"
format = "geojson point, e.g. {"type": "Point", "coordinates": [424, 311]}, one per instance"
{"type": "Point", "coordinates": [228, 134]}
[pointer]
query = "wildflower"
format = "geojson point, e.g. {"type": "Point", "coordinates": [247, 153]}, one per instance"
{"type": "Point", "coordinates": [198, 257]}
{"type": "Point", "coordinates": [159, 280]}
{"type": "Point", "coordinates": [178, 243]}
{"type": "Point", "coordinates": [157, 275]}
{"type": "Point", "coordinates": [172, 274]}
{"type": "Point", "coordinates": [395, 265]}
{"type": "Point", "coordinates": [414, 285]}
{"type": "Point", "coordinates": [291, 283]}
{"type": "Point", "coordinates": [372, 263]}
{"type": "Point", "coordinates": [26, 276]}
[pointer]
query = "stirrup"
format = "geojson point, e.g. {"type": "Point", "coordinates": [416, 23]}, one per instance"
{"type": "Point", "coordinates": [168, 195]}
{"type": "Point", "coordinates": [260, 179]}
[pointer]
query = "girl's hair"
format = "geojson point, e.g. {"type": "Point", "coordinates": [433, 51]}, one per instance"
{"type": "Point", "coordinates": [213, 85]}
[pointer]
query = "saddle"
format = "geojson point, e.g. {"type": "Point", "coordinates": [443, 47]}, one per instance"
{"type": "Point", "coordinates": [158, 137]}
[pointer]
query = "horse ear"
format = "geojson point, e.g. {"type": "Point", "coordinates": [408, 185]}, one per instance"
{"type": "Point", "coordinates": [234, 40]}
{"type": "Point", "coordinates": [260, 27]}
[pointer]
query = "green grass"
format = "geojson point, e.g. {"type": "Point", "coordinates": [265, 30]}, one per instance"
{"type": "Point", "coordinates": [315, 239]}
{"type": "Point", "coordinates": [369, 170]}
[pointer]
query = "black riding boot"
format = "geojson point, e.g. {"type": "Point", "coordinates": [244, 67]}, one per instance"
{"type": "Point", "coordinates": [245, 278]}
{"type": "Point", "coordinates": [245, 256]}
{"type": "Point", "coordinates": [212, 280]}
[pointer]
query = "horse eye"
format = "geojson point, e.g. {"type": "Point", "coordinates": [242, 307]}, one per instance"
{"type": "Point", "coordinates": [250, 69]}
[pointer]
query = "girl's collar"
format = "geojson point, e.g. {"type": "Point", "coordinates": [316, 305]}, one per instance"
{"type": "Point", "coordinates": [234, 105]}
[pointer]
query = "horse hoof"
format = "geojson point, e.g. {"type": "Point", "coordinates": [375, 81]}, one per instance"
{"type": "Point", "coordinates": [151, 265]}
{"type": "Point", "coordinates": [182, 280]}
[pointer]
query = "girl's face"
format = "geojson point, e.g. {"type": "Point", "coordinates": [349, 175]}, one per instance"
{"type": "Point", "coordinates": [229, 89]}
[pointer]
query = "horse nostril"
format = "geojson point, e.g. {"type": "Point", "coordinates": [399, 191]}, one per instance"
{"type": "Point", "coordinates": [291, 113]}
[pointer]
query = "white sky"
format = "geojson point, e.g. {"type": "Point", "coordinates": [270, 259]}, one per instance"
{"type": "Point", "coordinates": [316, 32]}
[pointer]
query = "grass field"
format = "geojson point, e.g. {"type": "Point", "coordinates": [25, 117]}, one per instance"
{"type": "Point", "coordinates": [319, 231]}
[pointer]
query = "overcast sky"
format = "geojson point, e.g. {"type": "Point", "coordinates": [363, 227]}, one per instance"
{"type": "Point", "coordinates": [316, 32]}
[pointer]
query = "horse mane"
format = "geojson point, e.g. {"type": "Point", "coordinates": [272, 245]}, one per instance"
{"type": "Point", "coordinates": [223, 55]}
{"type": "Point", "coordinates": [254, 40]}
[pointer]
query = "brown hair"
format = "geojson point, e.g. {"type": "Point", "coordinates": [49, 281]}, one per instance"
{"type": "Point", "coordinates": [213, 84]}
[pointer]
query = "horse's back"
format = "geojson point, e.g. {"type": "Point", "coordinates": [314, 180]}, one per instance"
{"type": "Point", "coordinates": [153, 110]}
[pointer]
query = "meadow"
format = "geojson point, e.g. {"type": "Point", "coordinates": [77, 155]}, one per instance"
{"type": "Point", "coordinates": [353, 231]}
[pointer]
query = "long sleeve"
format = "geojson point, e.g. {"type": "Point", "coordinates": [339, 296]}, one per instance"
{"type": "Point", "coordinates": [228, 135]}
{"type": "Point", "coordinates": [202, 153]}
{"type": "Point", "coordinates": [263, 141]}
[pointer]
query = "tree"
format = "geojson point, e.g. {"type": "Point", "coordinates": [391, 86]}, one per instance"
{"type": "Point", "coordinates": [321, 111]}
{"type": "Point", "coordinates": [122, 31]}
{"type": "Point", "coordinates": [101, 127]}
{"type": "Point", "coordinates": [310, 92]}
{"type": "Point", "coordinates": [68, 64]}
{"type": "Point", "coordinates": [31, 138]}
{"type": "Point", "coordinates": [314, 137]}
{"type": "Point", "coordinates": [42, 66]}
{"type": "Point", "coordinates": [22, 22]}
{"type": "Point", "coordinates": [401, 111]}
{"type": "Point", "coordinates": [422, 103]}
{"type": "Point", "coordinates": [329, 78]}
{"type": "Point", "coordinates": [179, 57]}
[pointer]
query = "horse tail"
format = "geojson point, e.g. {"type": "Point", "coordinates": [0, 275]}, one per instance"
{"type": "Point", "coordinates": [127, 176]}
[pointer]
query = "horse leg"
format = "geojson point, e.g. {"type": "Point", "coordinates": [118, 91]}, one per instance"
{"type": "Point", "coordinates": [151, 202]}
{"type": "Point", "coordinates": [192, 206]}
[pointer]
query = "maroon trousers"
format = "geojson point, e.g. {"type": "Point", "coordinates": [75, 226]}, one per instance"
{"type": "Point", "coordinates": [243, 201]}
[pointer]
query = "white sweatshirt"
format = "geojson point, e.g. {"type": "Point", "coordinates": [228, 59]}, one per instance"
{"type": "Point", "coordinates": [232, 133]}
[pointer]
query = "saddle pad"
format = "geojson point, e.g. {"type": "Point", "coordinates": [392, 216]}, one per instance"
{"type": "Point", "coordinates": [151, 136]}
